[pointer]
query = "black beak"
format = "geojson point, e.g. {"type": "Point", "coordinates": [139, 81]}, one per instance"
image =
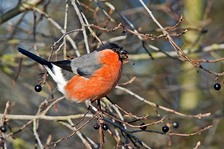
{"type": "Point", "coordinates": [123, 51]}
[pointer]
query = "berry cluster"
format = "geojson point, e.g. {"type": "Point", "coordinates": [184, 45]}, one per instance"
{"type": "Point", "coordinates": [166, 128]}
{"type": "Point", "coordinates": [104, 126]}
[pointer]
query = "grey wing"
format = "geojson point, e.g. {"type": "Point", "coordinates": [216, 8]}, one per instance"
{"type": "Point", "coordinates": [86, 65]}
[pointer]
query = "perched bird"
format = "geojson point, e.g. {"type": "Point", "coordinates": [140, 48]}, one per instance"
{"type": "Point", "coordinates": [88, 77]}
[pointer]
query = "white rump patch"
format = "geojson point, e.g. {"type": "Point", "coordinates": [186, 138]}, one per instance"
{"type": "Point", "coordinates": [56, 74]}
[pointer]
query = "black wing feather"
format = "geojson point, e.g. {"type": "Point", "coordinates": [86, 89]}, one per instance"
{"type": "Point", "coordinates": [65, 64]}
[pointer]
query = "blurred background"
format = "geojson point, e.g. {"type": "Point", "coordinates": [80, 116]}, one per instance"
{"type": "Point", "coordinates": [160, 76]}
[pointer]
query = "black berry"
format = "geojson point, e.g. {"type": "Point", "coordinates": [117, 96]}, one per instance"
{"type": "Point", "coordinates": [123, 33]}
{"type": "Point", "coordinates": [217, 86]}
{"type": "Point", "coordinates": [143, 127]}
{"type": "Point", "coordinates": [175, 124]}
{"type": "Point", "coordinates": [38, 88]}
{"type": "Point", "coordinates": [203, 31]}
{"type": "Point", "coordinates": [165, 128]}
{"type": "Point", "coordinates": [3, 128]}
{"type": "Point", "coordinates": [105, 126]}
{"type": "Point", "coordinates": [96, 126]}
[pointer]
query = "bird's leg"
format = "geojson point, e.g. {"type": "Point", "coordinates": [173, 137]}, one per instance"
{"type": "Point", "coordinates": [109, 100]}
{"type": "Point", "coordinates": [99, 105]}
{"type": "Point", "coordinates": [88, 104]}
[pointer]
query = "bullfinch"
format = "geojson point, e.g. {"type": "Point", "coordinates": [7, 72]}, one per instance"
{"type": "Point", "coordinates": [88, 77]}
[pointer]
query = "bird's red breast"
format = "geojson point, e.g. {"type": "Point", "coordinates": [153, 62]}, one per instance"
{"type": "Point", "coordinates": [100, 83]}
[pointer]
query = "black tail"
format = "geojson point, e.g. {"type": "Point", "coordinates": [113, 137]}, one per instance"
{"type": "Point", "coordinates": [35, 57]}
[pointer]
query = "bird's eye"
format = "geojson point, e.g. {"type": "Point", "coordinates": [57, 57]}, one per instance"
{"type": "Point", "coordinates": [115, 49]}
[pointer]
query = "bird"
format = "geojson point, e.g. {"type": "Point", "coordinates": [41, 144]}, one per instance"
{"type": "Point", "coordinates": [88, 77]}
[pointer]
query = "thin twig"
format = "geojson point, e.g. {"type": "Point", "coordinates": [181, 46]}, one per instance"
{"type": "Point", "coordinates": [45, 117]}
{"type": "Point", "coordinates": [74, 132]}
{"type": "Point", "coordinates": [21, 128]}
{"type": "Point", "coordinates": [79, 13]}
{"type": "Point", "coordinates": [190, 134]}
{"type": "Point", "coordinates": [173, 54]}
{"type": "Point", "coordinates": [35, 127]}
{"type": "Point", "coordinates": [198, 116]}
{"type": "Point", "coordinates": [51, 105]}
{"type": "Point", "coordinates": [79, 134]}
{"type": "Point", "coordinates": [197, 145]}
{"type": "Point", "coordinates": [65, 27]}
{"type": "Point", "coordinates": [3, 116]}
{"type": "Point", "coordinates": [54, 23]}
{"type": "Point", "coordinates": [179, 51]}
{"type": "Point", "coordinates": [127, 133]}
{"type": "Point", "coordinates": [64, 35]}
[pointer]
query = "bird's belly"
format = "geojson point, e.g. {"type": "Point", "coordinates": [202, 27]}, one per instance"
{"type": "Point", "coordinates": [98, 85]}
